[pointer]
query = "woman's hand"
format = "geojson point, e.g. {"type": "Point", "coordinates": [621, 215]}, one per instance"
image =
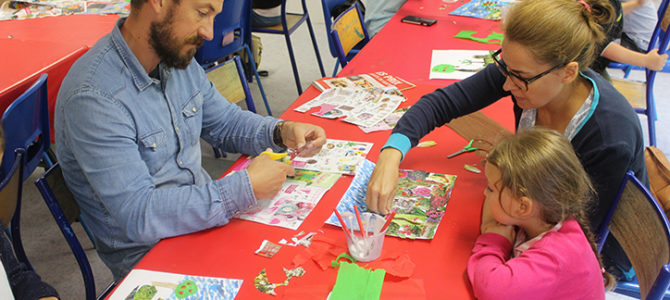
{"type": "Point", "coordinates": [384, 181]}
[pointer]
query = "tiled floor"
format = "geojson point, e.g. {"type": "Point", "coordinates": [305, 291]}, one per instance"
{"type": "Point", "coordinates": [48, 250]}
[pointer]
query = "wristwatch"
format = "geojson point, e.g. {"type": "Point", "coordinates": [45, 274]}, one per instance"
{"type": "Point", "coordinates": [276, 135]}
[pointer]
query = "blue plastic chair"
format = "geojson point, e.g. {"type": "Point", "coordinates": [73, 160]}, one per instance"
{"type": "Point", "coordinates": [11, 188]}
{"type": "Point", "coordinates": [26, 123]}
{"type": "Point", "coordinates": [641, 94]}
{"type": "Point", "coordinates": [235, 16]}
{"type": "Point", "coordinates": [350, 24]}
{"type": "Point", "coordinates": [641, 227]}
{"type": "Point", "coordinates": [233, 87]}
{"type": "Point", "coordinates": [328, 6]}
{"type": "Point", "coordinates": [654, 42]}
{"type": "Point", "coordinates": [65, 211]}
{"type": "Point", "coordinates": [289, 23]}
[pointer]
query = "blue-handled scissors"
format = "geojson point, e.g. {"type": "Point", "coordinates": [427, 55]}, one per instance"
{"type": "Point", "coordinates": [467, 148]}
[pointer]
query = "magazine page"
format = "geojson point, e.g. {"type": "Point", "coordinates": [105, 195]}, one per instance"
{"type": "Point", "coordinates": [376, 79]}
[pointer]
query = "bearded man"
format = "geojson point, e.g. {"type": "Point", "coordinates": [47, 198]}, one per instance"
{"type": "Point", "coordinates": [128, 122]}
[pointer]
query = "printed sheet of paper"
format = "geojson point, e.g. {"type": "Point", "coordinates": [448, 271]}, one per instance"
{"type": "Point", "coordinates": [388, 123]}
{"type": "Point", "coordinates": [29, 9]}
{"type": "Point", "coordinates": [336, 156]}
{"type": "Point", "coordinates": [482, 9]}
{"type": "Point", "coordinates": [420, 201]}
{"type": "Point", "coordinates": [363, 107]}
{"type": "Point", "coordinates": [153, 285]}
{"type": "Point", "coordinates": [296, 199]}
{"type": "Point", "coordinates": [458, 64]}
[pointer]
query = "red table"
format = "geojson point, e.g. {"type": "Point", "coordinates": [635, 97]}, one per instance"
{"type": "Point", "coordinates": [46, 45]}
{"type": "Point", "coordinates": [403, 50]}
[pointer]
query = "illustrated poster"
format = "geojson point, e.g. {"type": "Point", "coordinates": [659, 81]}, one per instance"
{"type": "Point", "coordinates": [458, 64]}
{"type": "Point", "coordinates": [482, 9]}
{"type": "Point", "coordinates": [336, 156]}
{"type": "Point", "coordinates": [420, 201]}
{"type": "Point", "coordinates": [154, 285]}
{"type": "Point", "coordinates": [363, 107]}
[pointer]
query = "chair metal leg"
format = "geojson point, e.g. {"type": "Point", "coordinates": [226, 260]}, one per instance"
{"type": "Point", "coordinates": [337, 66]}
{"type": "Point", "coordinates": [293, 63]}
{"type": "Point", "coordinates": [258, 79]}
{"type": "Point", "coordinates": [316, 48]}
{"type": "Point", "coordinates": [16, 238]}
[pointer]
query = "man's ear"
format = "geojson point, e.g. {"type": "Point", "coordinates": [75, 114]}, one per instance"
{"type": "Point", "coordinates": [570, 72]}
{"type": "Point", "coordinates": [157, 6]}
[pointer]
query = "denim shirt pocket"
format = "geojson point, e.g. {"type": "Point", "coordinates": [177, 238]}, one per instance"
{"type": "Point", "coordinates": [192, 113]}
{"type": "Point", "coordinates": [153, 149]}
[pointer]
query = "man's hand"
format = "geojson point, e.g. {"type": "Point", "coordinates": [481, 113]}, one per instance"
{"type": "Point", "coordinates": [306, 138]}
{"type": "Point", "coordinates": [383, 181]}
{"type": "Point", "coordinates": [267, 176]}
{"type": "Point", "coordinates": [654, 61]}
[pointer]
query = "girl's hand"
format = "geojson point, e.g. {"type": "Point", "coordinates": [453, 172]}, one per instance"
{"type": "Point", "coordinates": [508, 231]}
{"type": "Point", "coordinates": [654, 61]}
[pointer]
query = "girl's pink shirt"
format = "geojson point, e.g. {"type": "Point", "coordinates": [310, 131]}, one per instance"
{"type": "Point", "coordinates": [561, 265]}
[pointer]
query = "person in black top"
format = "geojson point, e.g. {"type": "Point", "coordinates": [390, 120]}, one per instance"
{"type": "Point", "coordinates": [265, 13]}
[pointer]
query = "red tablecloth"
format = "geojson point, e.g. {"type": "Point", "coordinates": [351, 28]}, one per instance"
{"type": "Point", "coordinates": [403, 50]}
{"type": "Point", "coordinates": [46, 45]}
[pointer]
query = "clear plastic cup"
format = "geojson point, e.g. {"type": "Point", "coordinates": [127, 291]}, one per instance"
{"type": "Point", "coordinates": [369, 247]}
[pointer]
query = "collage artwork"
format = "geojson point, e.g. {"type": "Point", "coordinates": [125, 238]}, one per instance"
{"type": "Point", "coordinates": [296, 199]}
{"type": "Point", "coordinates": [363, 107]}
{"type": "Point", "coordinates": [152, 285]}
{"type": "Point", "coordinates": [420, 201]}
{"type": "Point", "coordinates": [314, 176]}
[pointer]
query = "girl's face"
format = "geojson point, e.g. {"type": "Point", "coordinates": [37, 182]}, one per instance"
{"type": "Point", "coordinates": [500, 204]}
{"type": "Point", "coordinates": [520, 62]}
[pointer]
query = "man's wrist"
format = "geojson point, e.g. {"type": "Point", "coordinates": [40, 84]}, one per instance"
{"type": "Point", "coordinates": [276, 135]}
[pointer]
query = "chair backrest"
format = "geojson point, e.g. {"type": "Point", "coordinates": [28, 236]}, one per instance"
{"type": "Point", "coordinates": [328, 6]}
{"type": "Point", "coordinates": [641, 227]}
{"type": "Point", "coordinates": [26, 124]}
{"type": "Point", "coordinates": [348, 30]}
{"type": "Point", "coordinates": [231, 82]}
{"type": "Point", "coordinates": [235, 19]}
{"type": "Point", "coordinates": [65, 211]}
{"type": "Point", "coordinates": [10, 189]}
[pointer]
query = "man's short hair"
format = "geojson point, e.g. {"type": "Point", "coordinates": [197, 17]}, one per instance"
{"type": "Point", "coordinates": [137, 4]}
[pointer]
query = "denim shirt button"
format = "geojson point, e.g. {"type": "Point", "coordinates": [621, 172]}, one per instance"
{"type": "Point", "coordinates": [194, 109]}
{"type": "Point", "coordinates": [176, 128]}
{"type": "Point", "coordinates": [180, 162]}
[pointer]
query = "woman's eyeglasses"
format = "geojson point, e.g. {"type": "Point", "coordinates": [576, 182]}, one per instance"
{"type": "Point", "coordinates": [520, 82]}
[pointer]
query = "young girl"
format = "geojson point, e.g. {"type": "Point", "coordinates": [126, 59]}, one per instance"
{"type": "Point", "coordinates": [535, 240]}
{"type": "Point", "coordinates": [543, 66]}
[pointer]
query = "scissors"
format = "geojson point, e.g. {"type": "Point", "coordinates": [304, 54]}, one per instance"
{"type": "Point", "coordinates": [467, 148]}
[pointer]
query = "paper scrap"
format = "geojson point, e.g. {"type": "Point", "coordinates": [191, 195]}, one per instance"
{"type": "Point", "coordinates": [268, 249]}
{"type": "Point", "coordinates": [262, 284]}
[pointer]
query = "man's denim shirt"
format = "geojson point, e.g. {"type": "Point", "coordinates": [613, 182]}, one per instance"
{"type": "Point", "coordinates": [129, 148]}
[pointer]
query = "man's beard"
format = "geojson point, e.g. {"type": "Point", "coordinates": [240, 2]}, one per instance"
{"type": "Point", "coordinates": [167, 48]}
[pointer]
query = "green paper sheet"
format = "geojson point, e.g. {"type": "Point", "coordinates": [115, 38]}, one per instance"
{"type": "Point", "coordinates": [354, 282]}
{"type": "Point", "coordinates": [492, 38]}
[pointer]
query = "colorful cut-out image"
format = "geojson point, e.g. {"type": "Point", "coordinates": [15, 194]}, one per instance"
{"type": "Point", "coordinates": [458, 64]}
{"type": "Point", "coordinates": [420, 201]}
{"type": "Point", "coordinates": [336, 156]}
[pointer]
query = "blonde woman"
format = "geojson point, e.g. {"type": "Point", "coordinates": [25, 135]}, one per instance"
{"type": "Point", "coordinates": [535, 239]}
{"type": "Point", "coordinates": [542, 65]}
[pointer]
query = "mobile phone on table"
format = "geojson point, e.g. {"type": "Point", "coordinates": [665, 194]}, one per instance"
{"type": "Point", "coordinates": [418, 20]}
